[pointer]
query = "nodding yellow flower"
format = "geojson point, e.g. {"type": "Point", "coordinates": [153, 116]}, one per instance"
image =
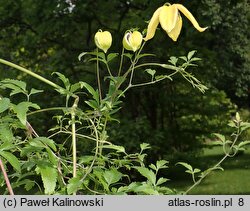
{"type": "Point", "coordinates": [103, 40]}
{"type": "Point", "coordinates": [132, 40]}
{"type": "Point", "coordinates": [170, 19]}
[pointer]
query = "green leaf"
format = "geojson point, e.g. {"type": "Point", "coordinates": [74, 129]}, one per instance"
{"type": "Point", "coordinates": [21, 110]}
{"type": "Point", "coordinates": [111, 56]}
{"type": "Point", "coordinates": [6, 134]}
{"type": "Point", "coordinates": [152, 166]}
{"type": "Point", "coordinates": [147, 173]}
{"type": "Point", "coordinates": [161, 77]}
{"type": "Point", "coordinates": [150, 72]}
{"type": "Point", "coordinates": [46, 142]}
{"type": "Point", "coordinates": [190, 54]}
{"type": "Point", "coordinates": [91, 90]}
{"type": "Point", "coordinates": [81, 55]}
{"type": "Point", "coordinates": [112, 176]}
{"type": "Point", "coordinates": [115, 147]}
{"type": "Point", "coordinates": [243, 143]}
{"type": "Point", "coordinates": [189, 167]}
{"type": "Point", "coordinates": [35, 91]}
{"type": "Point", "coordinates": [196, 170]}
{"type": "Point", "coordinates": [73, 185]}
{"type": "Point", "coordinates": [4, 104]}
{"type": "Point", "coordinates": [49, 176]}
{"type": "Point", "coordinates": [173, 60]}
{"type": "Point", "coordinates": [144, 146]}
{"type": "Point", "coordinates": [184, 58]}
{"type": "Point", "coordinates": [63, 79]}
{"type": "Point", "coordinates": [221, 137]}
{"type": "Point", "coordinates": [244, 126]}
{"type": "Point", "coordinates": [12, 159]}
{"type": "Point", "coordinates": [160, 164]}
{"type": "Point", "coordinates": [146, 189]}
{"type": "Point", "coordinates": [144, 55]}
{"type": "Point", "coordinates": [16, 86]}
{"type": "Point", "coordinates": [161, 181]}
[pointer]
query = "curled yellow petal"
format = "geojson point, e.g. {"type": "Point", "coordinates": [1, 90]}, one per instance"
{"type": "Point", "coordinates": [174, 34]}
{"type": "Point", "coordinates": [188, 14]}
{"type": "Point", "coordinates": [153, 23]}
{"type": "Point", "coordinates": [168, 17]}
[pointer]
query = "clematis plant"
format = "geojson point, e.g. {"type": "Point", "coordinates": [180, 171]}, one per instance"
{"type": "Point", "coordinates": [170, 20]}
{"type": "Point", "coordinates": [99, 169]}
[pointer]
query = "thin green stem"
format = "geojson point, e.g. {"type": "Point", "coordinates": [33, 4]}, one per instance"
{"type": "Point", "coordinates": [216, 165]}
{"type": "Point", "coordinates": [98, 75]}
{"type": "Point", "coordinates": [121, 62]}
{"type": "Point", "coordinates": [109, 71]}
{"type": "Point", "coordinates": [166, 66]}
{"type": "Point", "coordinates": [30, 73]}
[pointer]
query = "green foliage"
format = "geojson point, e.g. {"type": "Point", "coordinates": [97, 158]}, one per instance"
{"type": "Point", "coordinates": [103, 166]}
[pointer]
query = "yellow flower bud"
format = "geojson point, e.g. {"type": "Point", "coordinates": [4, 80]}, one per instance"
{"type": "Point", "coordinates": [170, 19]}
{"type": "Point", "coordinates": [103, 40]}
{"type": "Point", "coordinates": [132, 40]}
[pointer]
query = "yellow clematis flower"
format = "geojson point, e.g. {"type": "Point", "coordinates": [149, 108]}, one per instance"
{"type": "Point", "coordinates": [170, 19]}
{"type": "Point", "coordinates": [103, 40]}
{"type": "Point", "coordinates": [132, 40]}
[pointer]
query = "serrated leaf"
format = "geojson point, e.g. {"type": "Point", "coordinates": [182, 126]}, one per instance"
{"type": "Point", "coordinates": [6, 134]}
{"type": "Point", "coordinates": [14, 84]}
{"type": "Point", "coordinates": [150, 175]}
{"type": "Point", "coordinates": [21, 110]}
{"type": "Point", "coordinates": [49, 177]}
{"type": "Point", "coordinates": [12, 159]}
{"type": "Point", "coordinates": [145, 146]}
{"type": "Point", "coordinates": [146, 189]}
{"type": "Point", "coordinates": [4, 104]}
{"type": "Point", "coordinates": [186, 165]}
{"type": "Point", "coordinates": [173, 60]}
{"type": "Point", "coordinates": [112, 176]}
{"type": "Point", "coordinates": [161, 164]}
{"type": "Point", "coordinates": [63, 79]}
{"type": "Point", "coordinates": [73, 185]}
{"type": "Point", "coordinates": [46, 142]}
{"type": "Point", "coordinates": [161, 181]}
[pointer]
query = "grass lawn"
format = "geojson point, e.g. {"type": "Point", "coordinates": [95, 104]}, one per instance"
{"type": "Point", "coordinates": [235, 179]}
